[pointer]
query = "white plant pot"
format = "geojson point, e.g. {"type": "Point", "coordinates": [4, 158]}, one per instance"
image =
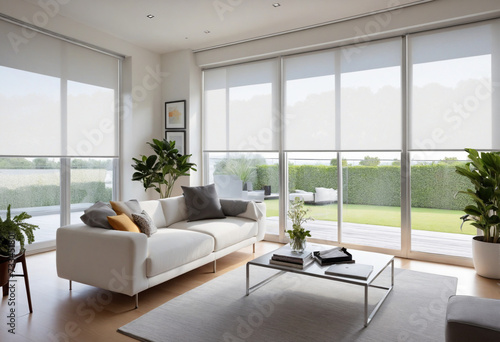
{"type": "Point", "coordinates": [486, 257]}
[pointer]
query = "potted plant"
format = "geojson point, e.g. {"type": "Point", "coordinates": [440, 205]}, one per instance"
{"type": "Point", "coordinates": [12, 230]}
{"type": "Point", "coordinates": [162, 169]}
{"type": "Point", "coordinates": [298, 234]}
{"type": "Point", "coordinates": [484, 172]}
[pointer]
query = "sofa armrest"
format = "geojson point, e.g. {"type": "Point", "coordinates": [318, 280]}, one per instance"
{"type": "Point", "coordinates": [109, 259]}
{"type": "Point", "coordinates": [247, 209]}
{"type": "Point", "coordinates": [261, 209]}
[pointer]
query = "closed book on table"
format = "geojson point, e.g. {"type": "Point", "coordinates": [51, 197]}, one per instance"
{"type": "Point", "coordinates": [291, 264]}
{"type": "Point", "coordinates": [286, 254]}
{"type": "Point", "coordinates": [357, 271]}
{"type": "Point", "coordinates": [332, 256]}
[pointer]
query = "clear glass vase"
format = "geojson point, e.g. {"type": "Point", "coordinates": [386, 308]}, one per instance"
{"type": "Point", "coordinates": [298, 245]}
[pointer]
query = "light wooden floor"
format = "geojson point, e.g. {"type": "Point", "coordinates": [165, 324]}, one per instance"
{"type": "Point", "coordinates": [90, 314]}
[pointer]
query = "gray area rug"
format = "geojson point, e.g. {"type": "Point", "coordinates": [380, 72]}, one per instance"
{"type": "Point", "coordinates": [299, 308]}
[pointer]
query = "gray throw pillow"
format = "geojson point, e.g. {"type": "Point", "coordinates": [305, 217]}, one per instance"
{"type": "Point", "coordinates": [233, 207]}
{"type": "Point", "coordinates": [97, 215]}
{"type": "Point", "coordinates": [202, 202]}
{"type": "Point", "coordinates": [145, 223]}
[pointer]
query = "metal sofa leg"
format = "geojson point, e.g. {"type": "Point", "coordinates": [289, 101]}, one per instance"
{"type": "Point", "coordinates": [254, 248]}
{"type": "Point", "coordinates": [70, 285]}
{"type": "Point", "coordinates": [215, 265]}
{"type": "Point", "coordinates": [136, 300]}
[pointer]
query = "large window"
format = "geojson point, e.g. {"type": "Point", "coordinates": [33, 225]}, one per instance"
{"type": "Point", "coordinates": [367, 135]}
{"type": "Point", "coordinates": [241, 134]}
{"type": "Point", "coordinates": [59, 108]}
{"type": "Point", "coordinates": [454, 76]}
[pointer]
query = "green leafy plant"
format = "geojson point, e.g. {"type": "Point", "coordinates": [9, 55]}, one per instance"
{"type": "Point", "coordinates": [15, 229]}
{"type": "Point", "coordinates": [298, 214]}
{"type": "Point", "coordinates": [484, 172]}
{"type": "Point", "coordinates": [160, 170]}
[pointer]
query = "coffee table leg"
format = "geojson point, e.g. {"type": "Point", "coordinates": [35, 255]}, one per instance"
{"type": "Point", "coordinates": [248, 279]}
{"type": "Point", "coordinates": [366, 305]}
{"type": "Point", "coordinates": [387, 289]}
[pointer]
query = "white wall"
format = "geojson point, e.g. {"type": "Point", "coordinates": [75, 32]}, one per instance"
{"type": "Point", "coordinates": [142, 83]}
{"type": "Point", "coordinates": [439, 13]}
{"type": "Point", "coordinates": [184, 83]}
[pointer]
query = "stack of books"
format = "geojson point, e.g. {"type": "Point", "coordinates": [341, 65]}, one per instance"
{"type": "Point", "coordinates": [332, 256]}
{"type": "Point", "coordinates": [286, 257]}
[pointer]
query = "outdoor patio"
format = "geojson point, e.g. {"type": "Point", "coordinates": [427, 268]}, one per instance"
{"type": "Point", "coordinates": [386, 237]}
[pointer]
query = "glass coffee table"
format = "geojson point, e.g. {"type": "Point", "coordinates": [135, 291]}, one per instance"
{"type": "Point", "coordinates": [379, 262]}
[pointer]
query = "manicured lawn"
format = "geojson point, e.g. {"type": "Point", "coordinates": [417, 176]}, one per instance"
{"type": "Point", "coordinates": [437, 220]}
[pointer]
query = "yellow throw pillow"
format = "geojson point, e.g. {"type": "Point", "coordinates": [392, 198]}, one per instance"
{"type": "Point", "coordinates": [122, 222]}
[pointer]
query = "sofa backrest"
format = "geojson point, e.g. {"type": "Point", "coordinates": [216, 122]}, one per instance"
{"type": "Point", "coordinates": [166, 211]}
{"type": "Point", "coordinates": [174, 209]}
{"type": "Point", "coordinates": [155, 211]}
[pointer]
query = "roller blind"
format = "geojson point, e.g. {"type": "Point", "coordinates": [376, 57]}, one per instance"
{"type": "Point", "coordinates": [455, 75]}
{"type": "Point", "coordinates": [56, 98]}
{"type": "Point", "coordinates": [370, 96]}
{"type": "Point", "coordinates": [309, 119]}
{"type": "Point", "coordinates": [344, 99]}
{"type": "Point", "coordinates": [239, 107]}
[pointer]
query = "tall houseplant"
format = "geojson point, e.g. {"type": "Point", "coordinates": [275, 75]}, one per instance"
{"type": "Point", "coordinates": [484, 172]}
{"type": "Point", "coordinates": [160, 170]}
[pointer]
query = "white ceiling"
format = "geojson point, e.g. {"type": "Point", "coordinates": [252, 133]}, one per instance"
{"type": "Point", "coordinates": [181, 24]}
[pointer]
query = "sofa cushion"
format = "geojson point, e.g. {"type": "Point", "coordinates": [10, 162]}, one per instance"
{"type": "Point", "coordinates": [202, 202]}
{"type": "Point", "coordinates": [174, 209]}
{"type": "Point", "coordinates": [122, 222]}
{"type": "Point", "coordinates": [145, 223]}
{"type": "Point", "coordinates": [97, 215]}
{"type": "Point", "coordinates": [126, 208]}
{"type": "Point", "coordinates": [171, 248]}
{"type": "Point", "coordinates": [225, 232]}
{"type": "Point", "coordinates": [155, 211]}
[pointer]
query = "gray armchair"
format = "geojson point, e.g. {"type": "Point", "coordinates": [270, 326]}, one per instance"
{"type": "Point", "coordinates": [472, 319]}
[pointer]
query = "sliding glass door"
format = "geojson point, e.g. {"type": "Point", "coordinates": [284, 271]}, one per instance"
{"type": "Point", "coordinates": [368, 135]}
{"type": "Point", "coordinates": [454, 76]}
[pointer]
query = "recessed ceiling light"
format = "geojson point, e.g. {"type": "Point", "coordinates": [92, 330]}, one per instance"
{"type": "Point", "coordinates": [276, 4]}
{"type": "Point", "coordinates": [150, 16]}
{"type": "Point", "coordinates": [207, 31]}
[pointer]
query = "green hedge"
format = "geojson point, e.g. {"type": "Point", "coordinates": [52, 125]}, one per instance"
{"type": "Point", "coordinates": [49, 195]}
{"type": "Point", "coordinates": [433, 186]}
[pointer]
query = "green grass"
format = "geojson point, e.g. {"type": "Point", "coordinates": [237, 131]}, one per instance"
{"type": "Point", "coordinates": [436, 220]}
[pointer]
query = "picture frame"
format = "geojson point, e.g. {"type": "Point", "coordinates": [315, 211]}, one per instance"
{"type": "Point", "coordinates": [175, 115]}
{"type": "Point", "coordinates": [180, 140]}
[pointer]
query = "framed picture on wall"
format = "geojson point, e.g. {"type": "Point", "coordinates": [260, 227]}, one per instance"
{"type": "Point", "coordinates": [180, 140]}
{"type": "Point", "coordinates": [175, 115]}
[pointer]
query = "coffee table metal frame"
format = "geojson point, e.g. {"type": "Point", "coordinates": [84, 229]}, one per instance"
{"type": "Point", "coordinates": [379, 262]}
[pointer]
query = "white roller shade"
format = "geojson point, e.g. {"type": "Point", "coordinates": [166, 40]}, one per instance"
{"type": "Point", "coordinates": [309, 120]}
{"type": "Point", "coordinates": [345, 99]}
{"type": "Point", "coordinates": [56, 98]}
{"type": "Point", "coordinates": [239, 107]}
{"type": "Point", "coordinates": [370, 96]}
{"type": "Point", "coordinates": [454, 79]}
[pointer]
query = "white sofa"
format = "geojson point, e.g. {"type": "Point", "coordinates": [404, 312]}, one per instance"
{"type": "Point", "coordinates": [128, 263]}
